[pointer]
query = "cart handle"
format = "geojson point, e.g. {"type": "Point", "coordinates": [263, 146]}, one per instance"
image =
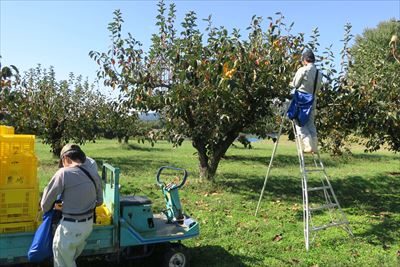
{"type": "Point", "coordinates": [161, 183]}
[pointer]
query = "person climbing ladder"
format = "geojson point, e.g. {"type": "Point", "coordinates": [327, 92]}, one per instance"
{"type": "Point", "coordinates": [308, 80]}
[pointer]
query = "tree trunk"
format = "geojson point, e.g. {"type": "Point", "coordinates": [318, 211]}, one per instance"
{"type": "Point", "coordinates": [203, 171]}
{"type": "Point", "coordinates": [208, 165]}
{"type": "Point", "coordinates": [55, 137]}
{"type": "Point", "coordinates": [126, 139]}
{"type": "Point", "coordinates": [219, 153]}
{"type": "Point", "coordinates": [56, 150]}
{"type": "Point", "coordinates": [56, 145]}
{"type": "Point", "coordinates": [203, 158]}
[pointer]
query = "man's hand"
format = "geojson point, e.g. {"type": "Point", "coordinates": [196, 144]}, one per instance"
{"type": "Point", "coordinates": [58, 206]}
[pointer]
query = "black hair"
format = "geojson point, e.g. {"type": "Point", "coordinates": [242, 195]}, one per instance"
{"type": "Point", "coordinates": [75, 155]}
{"type": "Point", "coordinates": [308, 56]}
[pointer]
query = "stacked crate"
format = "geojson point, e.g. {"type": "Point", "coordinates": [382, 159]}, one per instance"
{"type": "Point", "coordinates": [18, 182]}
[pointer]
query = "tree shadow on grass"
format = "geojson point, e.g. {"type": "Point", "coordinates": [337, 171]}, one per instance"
{"type": "Point", "coordinates": [372, 157]}
{"type": "Point", "coordinates": [284, 160]}
{"type": "Point", "coordinates": [217, 256]}
{"type": "Point", "coordinates": [280, 160]}
{"type": "Point", "coordinates": [373, 194]}
{"type": "Point", "coordinates": [238, 158]}
{"type": "Point", "coordinates": [142, 148]}
{"type": "Point", "coordinates": [379, 197]}
{"type": "Point", "coordinates": [250, 187]}
{"type": "Point", "coordinates": [384, 233]}
{"type": "Point", "coordinates": [199, 257]}
{"type": "Point", "coordinates": [375, 197]}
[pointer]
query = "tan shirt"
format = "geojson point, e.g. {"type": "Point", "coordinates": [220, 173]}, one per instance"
{"type": "Point", "coordinates": [77, 190]}
{"type": "Point", "coordinates": [304, 82]}
{"type": "Point", "coordinates": [304, 79]}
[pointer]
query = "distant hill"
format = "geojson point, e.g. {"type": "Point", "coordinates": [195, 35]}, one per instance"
{"type": "Point", "coordinates": [149, 116]}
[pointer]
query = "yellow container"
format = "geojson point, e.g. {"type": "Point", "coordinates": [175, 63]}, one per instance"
{"type": "Point", "coordinates": [11, 145]}
{"type": "Point", "coordinates": [19, 171]}
{"type": "Point", "coordinates": [103, 215]}
{"type": "Point", "coordinates": [18, 205]}
{"type": "Point", "coordinates": [6, 228]}
{"type": "Point", "coordinates": [6, 129]}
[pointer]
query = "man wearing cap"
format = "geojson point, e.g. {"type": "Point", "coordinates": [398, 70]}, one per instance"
{"type": "Point", "coordinates": [79, 185]}
{"type": "Point", "coordinates": [304, 81]}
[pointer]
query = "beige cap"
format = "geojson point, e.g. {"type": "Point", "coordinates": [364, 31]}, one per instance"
{"type": "Point", "coordinates": [67, 148]}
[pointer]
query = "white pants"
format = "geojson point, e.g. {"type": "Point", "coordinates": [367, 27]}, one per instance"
{"type": "Point", "coordinates": [69, 242]}
{"type": "Point", "coordinates": [308, 132]}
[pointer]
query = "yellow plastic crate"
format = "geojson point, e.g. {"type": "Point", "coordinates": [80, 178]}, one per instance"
{"type": "Point", "coordinates": [11, 145]}
{"type": "Point", "coordinates": [6, 228]}
{"type": "Point", "coordinates": [18, 205]}
{"type": "Point", "coordinates": [103, 215]}
{"type": "Point", "coordinates": [19, 171]}
{"type": "Point", "coordinates": [6, 129]}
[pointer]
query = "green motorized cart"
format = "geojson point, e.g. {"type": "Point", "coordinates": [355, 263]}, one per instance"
{"type": "Point", "coordinates": [135, 231]}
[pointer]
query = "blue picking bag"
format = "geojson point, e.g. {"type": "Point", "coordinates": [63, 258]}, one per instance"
{"type": "Point", "coordinates": [42, 244]}
{"type": "Point", "coordinates": [300, 108]}
{"type": "Point", "coordinates": [292, 110]}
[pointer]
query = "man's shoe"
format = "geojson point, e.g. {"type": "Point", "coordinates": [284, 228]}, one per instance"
{"type": "Point", "coordinates": [308, 150]}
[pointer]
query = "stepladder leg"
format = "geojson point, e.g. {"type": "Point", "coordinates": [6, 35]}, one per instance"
{"type": "Point", "coordinates": [271, 160]}
{"type": "Point", "coordinates": [311, 167]}
{"type": "Point", "coordinates": [305, 216]}
{"type": "Point", "coordinates": [311, 164]}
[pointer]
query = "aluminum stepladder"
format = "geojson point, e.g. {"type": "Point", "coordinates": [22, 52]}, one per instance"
{"type": "Point", "coordinates": [330, 202]}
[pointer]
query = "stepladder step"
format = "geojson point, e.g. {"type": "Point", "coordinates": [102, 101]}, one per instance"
{"type": "Point", "coordinates": [318, 188]}
{"type": "Point", "coordinates": [314, 170]}
{"type": "Point", "coordinates": [323, 207]}
{"type": "Point", "coordinates": [333, 224]}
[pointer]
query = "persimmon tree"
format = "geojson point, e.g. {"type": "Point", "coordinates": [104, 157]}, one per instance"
{"type": "Point", "coordinates": [118, 121]}
{"type": "Point", "coordinates": [206, 87]}
{"type": "Point", "coordinates": [9, 97]}
{"type": "Point", "coordinates": [60, 111]}
{"type": "Point", "coordinates": [364, 104]}
{"type": "Point", "coordinates": [374, 82]}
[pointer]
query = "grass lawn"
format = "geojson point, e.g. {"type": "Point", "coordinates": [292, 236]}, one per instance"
{"type": "Point", "coordinates": [367, 187]}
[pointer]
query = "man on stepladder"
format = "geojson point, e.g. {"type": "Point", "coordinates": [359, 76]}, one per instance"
{"type": "Point", "coordinates": [304, 81]}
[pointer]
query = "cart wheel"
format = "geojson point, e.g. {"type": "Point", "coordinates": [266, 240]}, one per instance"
{"type": "Point", "coordinates": [175, 257]}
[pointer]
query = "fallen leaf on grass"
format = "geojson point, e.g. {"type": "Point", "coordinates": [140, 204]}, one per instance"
{"type": "Point", "coordinates": [295, 207]}
{"type": "Point", "coordinates": [355, 253]}
{"type": "Point", "coordinates": [289, 248]}
{"type": "Point", "coordinates": [277, 238]}
{"type": "Point", "coordinates": [277, 202]}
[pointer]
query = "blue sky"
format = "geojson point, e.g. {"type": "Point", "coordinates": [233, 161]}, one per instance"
{"type": "Point", "coordinates": [61, 33]}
